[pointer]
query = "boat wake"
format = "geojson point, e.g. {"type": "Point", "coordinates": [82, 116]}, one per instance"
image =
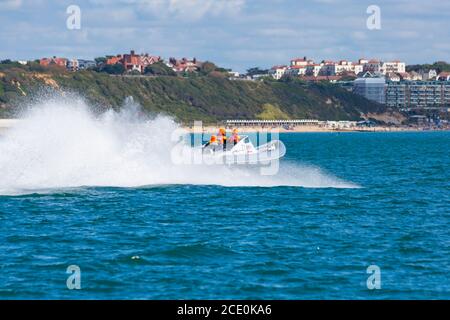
{"type": "Point", "coordinates": [61, 144]}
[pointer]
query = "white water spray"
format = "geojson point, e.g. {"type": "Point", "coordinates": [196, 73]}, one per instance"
{"type": "Point", "coordinates": [61, 144]}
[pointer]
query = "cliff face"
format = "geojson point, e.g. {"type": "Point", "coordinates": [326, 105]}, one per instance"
{"type": "Point", "coordinates": [209, 98]}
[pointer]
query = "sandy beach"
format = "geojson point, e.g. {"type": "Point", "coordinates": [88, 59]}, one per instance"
{"type": "Point", "coordinates": [303, 128]}
{"type": "Point", "coordinates": [8, 123]}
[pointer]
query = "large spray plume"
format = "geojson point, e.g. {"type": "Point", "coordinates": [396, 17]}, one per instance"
{"type": "Point", "coordinates": [60, 143]}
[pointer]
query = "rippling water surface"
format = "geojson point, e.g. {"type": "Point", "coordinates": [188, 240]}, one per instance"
{"type": "Point", "coordinates": [362, 199]}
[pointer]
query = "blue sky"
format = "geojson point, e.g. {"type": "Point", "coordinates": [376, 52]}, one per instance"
{"type": "Point", "coordinates": [236, 34]}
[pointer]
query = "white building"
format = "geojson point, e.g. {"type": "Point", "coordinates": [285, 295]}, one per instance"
{"type": "Point", "coordinates": [314, 69]}
{"type": "Point", "coordinates": [393, 66]}
{"type": "Point", "coordinates": [86, 64]}
{"type": "Point", "coordinates": [303, 62]}
{"type": "Point", "coordinates": [373, 66]}
{"type": "Point", "coordinates": [72, 64]}
{"type": "Point", "coordinates": [359, 68]}
{"type": "Point", "coordinates": [363, 61]}
{"type": "Point", "coordinates": [343, 66]}
{"type": "Point", "coordinates": [383, 67]}
{"type": "Point", "coordinates": [392, 76]}
{"type": "Point", "coordinates": [405, 76]}
{"type": "Point", "coordinates": [234, 74]}
{"type": "Point", "coordinates": [415, 76]}
{"type": "Point", "coordinates": [330, 68]}
{"type": "Point", "coordinates": [429, 75]}
{"type": "Point", "coordinates": [340, 124]}
{"type": "Point", "coordinates": [303, 66]}
{"type": "Point", "coordinates": [296, 70]}
{"type": "Point", "coordinates": [80, 64]}
{"type": "Point", "coordinates": [277, 72]}
{"type": "Point", "coordinates": [327, 68]}
{"type": "Point", "coordinates": [347, 66]}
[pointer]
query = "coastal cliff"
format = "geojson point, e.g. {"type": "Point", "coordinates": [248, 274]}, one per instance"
{"type": "Point", "coordinates": [210, 98]}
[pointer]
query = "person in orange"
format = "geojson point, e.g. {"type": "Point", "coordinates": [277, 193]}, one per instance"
{"type": "Point", "coordinates": [212, 141]}
{"type": "Point", "coordinates": [222, 137]}
{"type": "Point", "coordinates": [235, 137]}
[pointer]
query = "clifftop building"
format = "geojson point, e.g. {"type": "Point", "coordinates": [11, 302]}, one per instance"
{"type": "Point", "coordinates": [133, 61]}
{"type": "Point", "coordinates": [277, 72]}
{"type": "Point", "coordinates": [418, 94]}
{"type": "Point", "coordinates": [371, 88]}
{"type": "Point", "coordinates": [307, 67]}
{"type": "Point", "coordinates": [60, 62]}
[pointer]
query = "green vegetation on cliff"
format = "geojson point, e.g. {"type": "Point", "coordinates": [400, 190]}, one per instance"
{"type": "Point", "coordinates": [439, 66]}
{"type": "Point", "coordinates": [210, 97]}
{"type": "Point", "coordinates": [271, 112]}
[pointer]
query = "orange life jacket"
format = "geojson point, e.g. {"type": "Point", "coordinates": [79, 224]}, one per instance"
{"type": "Point", "coordinates": [222, 138]}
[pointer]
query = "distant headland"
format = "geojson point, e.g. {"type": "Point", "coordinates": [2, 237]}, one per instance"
{"type": "Point", "coordinates": [190, 89]}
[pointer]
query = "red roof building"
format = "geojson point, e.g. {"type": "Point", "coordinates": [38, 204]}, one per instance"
{"type": "Point", "coordinates": [61, 62]}
{"type": "Point", "coordinates": [184, 65]}
{"type": "Point", "coordinates": [443, 76]}
{"type": "Point", "coordinates": [114, 60]}
{"type": "Point", "coordinates": [133, 61]}
{"type": "Point", "coordinates": [147, 59]}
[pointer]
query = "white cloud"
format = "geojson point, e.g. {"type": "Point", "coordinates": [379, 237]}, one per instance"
{"type": "Point", "coordinates": [325, 1]}
{"type": "Point", "coordinates": [110, 16]}
{"type": "Point", "coordinates": [233, 33]}
{"type": "Point", "coordinates": [179, 9]}
{"type": "Point", "coordinates": [359, 35]}
{"type": "Point", "coordinates": [190, 9]}
{"type": "Point", "coordinates": [10, 4]}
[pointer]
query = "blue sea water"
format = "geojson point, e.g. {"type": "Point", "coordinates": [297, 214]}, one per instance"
{"type": "Point", "coordinates": [217, 242]}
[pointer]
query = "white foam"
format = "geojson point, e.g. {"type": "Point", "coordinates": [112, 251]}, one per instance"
{"type": "Point", "coordinates": [61, 144]}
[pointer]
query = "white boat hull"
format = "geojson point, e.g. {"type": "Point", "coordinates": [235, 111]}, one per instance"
{"type": "Point", "coordinates": [245, 153]}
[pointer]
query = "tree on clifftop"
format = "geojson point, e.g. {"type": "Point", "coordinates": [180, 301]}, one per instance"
{"type": "Point", "coordinates": [100, 60]}
{"type": "Point", "coordinates": [256, 70]}
{"type": "Point", "coordinates": [207, 67]}
{"type": "Point", "coordinates": [159, 69]}
{"type": "Point", "coordinates": [112, 68]}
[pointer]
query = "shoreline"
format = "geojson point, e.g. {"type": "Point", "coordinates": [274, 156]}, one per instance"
{"type": "Point", "coordinates": [5, 124]}
{"type": "Point", "coordinates": [317, 129]}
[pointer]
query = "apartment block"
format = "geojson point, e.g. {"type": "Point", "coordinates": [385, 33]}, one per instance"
{"type": "Point", "coordinates": [418, 94]}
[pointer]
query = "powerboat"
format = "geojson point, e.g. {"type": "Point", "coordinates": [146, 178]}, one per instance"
{"type": "Point", "coordinates": [244, 152]}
